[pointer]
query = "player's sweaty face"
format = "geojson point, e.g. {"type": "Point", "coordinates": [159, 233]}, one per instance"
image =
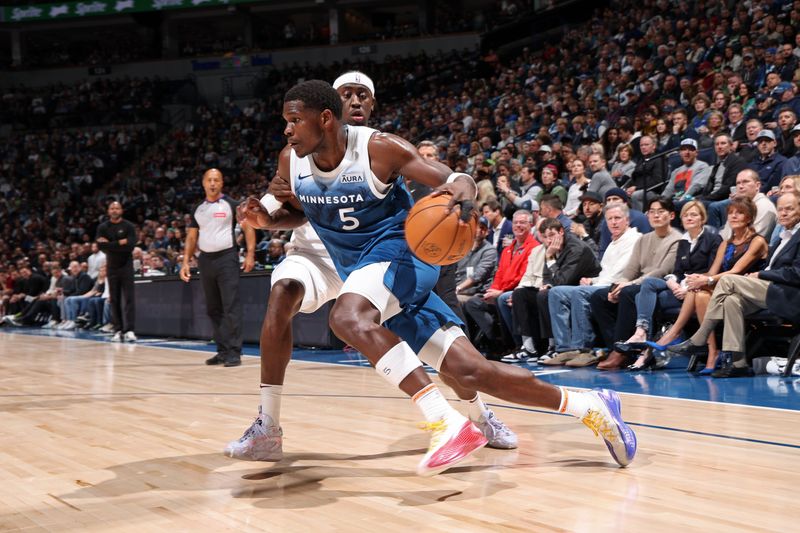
{"type": "Point", "coordinates": [357, 103]}
{"type": "Point", "coordinates": [302, 131]}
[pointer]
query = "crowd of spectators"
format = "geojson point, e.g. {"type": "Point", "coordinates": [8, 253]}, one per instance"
{"type": "Point", "coordinates": [203, 37]}
{"type": "Point", "coordinates": [88, 103]}
{"type": "Point", "coordinates": [692, 106]}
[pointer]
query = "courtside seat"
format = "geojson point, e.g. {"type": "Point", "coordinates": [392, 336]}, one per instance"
{"type": "Point", "coordinates": [763, 327]}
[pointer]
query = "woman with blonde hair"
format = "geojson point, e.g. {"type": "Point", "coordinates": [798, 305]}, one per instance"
{"type": "Point", "coordinates": [744, 252]}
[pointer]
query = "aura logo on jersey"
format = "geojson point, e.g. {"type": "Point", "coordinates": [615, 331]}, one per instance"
{"type": "Point", "coordinates": [342, 199]}
{"type": "Point", "coordinates": [353, 178]}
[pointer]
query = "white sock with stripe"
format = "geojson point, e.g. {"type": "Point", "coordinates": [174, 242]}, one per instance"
{"type": "Point", "coordinates": [476, 408]}
{"type": "Point", "coordinates": [433, 404]}
{"type": "Point", "coordinates": [575, 403]}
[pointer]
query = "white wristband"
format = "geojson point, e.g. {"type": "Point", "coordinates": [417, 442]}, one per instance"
{"type": "Point", "coordinates": [270, 203]}
{"type": "Point", "coordinates": [455, 175]}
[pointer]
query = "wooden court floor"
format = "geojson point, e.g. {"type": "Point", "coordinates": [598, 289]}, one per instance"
{"type": "Point", "coordinates": [97, 436]}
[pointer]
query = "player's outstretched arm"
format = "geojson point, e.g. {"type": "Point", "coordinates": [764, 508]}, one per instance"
{"type": "Point", "coordinates": [391, 156]}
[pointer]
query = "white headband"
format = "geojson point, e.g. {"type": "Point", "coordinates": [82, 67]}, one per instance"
{"type": "Point", "coordinates": [356, 78]}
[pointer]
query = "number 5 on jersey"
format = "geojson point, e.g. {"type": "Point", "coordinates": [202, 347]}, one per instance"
{"type": "Point", "coordinates": [350, 223]}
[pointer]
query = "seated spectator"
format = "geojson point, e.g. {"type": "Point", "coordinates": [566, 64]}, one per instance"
{"type": "Point", "coordinates": [623, 167]}
{"type": "Point", "coordinates": [664, 139]}
{"type": "Point", "coordinates": [500, 228]}
{"type": "Point", "coordinates": [649, 177]}
{"type": "Point", "coordinates": [788, 184]}
{"type": "Point", "coordinates": [155, 266]}
{"type": "Point", "coordinates": [569, 306]}
{"type": "Point", "coordinates": [513, 262]}
{"type": "Point", "coordinates": [602, 181]}
{"type": "Point", "coordinates": [550, 207]}
{"type": "Point", "coordinates": [503, 183]}
{"type": "Point", "coordinates": [614, 308]}
{"type": "Point", "coordinates": [742, 253]}
{"type": "Point", "coordinates": [792, 165]}
{"type": "Point", "coordinates": [747, 184]}
{"type": "Point", "coordinates": [768, 163]}
{"type": "Point", "coordinates": [45, 309]}
{"type": "Point", "coordinates": [92, 317]}
{"type": "Point", "coordinates": [275, 252]}
{"type": "Point", "coordinates": [775, 288]}
{"type": "Point", "coordinates": [550, 185]}
{"type": "Point", "coordinates": [529, 189]}
{"type": "Point", "coordinates": [697, 250]}
{"type": "Point", "coordinates": [579, 183]}
{"type": "Point", "coordinates": [636, 218]}
{"type": "Point", "coordinates": [689, 179]}
{"type": "Point", "coordinates": [723, 174]}
{"type": "Point", "coordinates": [27, 289]}
{"type": "Point", "coordinates": [95, 260]}
{"type": "Point", "coordinates": [787, 120]}
{"type": "Point", "coordinates": [74, 302]}
{"type": "Point", "coordinates": [586, 225]}
{"type": "Point", "coordinates": [474, 273]}
{"type": "Point", "coordinates": [563, 260]}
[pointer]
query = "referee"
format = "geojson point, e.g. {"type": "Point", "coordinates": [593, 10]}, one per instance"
{"type": "Point", "coordinates": [213, 231]}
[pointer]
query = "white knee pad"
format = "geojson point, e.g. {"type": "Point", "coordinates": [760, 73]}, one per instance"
{"type": "Point", "coordinates": [432, 354]}
{"type": "Point", "coordinates": [397, 363]}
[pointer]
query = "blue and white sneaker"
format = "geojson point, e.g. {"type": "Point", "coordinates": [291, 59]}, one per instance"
{"type": "Point", "coordinates": [496, 432]}
{"type": "Point", "coordinates": [605, 419]}
{"type": "Point", "coordinates": [261, 442]}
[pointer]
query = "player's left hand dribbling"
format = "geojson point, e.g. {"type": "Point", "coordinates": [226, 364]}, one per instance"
{"type": "Point", "coordinates": [462, 197]}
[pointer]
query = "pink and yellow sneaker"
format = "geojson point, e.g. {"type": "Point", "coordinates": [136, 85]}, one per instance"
{"type": "Point", "coordinates": [453, 440]}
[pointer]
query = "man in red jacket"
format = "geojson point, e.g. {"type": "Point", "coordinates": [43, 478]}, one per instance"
{"type": "Point", "coordinates": [513, 262]}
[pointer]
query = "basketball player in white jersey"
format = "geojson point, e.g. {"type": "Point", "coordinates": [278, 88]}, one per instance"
{"type": "Point", "coordinates": [303, 282]}
{"type": "Point", "coordinates": [345, 179]}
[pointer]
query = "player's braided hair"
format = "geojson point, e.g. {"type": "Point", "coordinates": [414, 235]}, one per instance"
{"type": "Point", "coordinates": [317, 95]}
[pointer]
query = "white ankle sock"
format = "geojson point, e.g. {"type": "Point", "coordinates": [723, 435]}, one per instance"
{"type": "Point", "coordinates": [433, 405]}
{"type": "Point", "coordinates": [271, 403]}
{"type": "Point", "coordinates": [476, 408]}
{"type": "Point", "coordinates": [527, 343]}
{"type": "Point", "coordinates": [575, 403]}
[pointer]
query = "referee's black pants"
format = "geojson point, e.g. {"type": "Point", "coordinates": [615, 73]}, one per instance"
{"type": "Point", "coordinates": [120, 292]}
{"type": "Point", "coordinates": [219, 273]}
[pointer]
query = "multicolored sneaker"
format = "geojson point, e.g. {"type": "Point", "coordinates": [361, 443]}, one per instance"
{"type": "Point", "coordinates": [498, 435]}
{"type": "Point", "coordinates": [605, 419]}
{"type": "Point", "coordinates": [452, 441]}
{"type": "Point", "coordinates": [259, 443]}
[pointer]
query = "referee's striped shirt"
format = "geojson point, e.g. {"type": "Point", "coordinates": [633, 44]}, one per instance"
{"type": "Point", "coordinates": [216, 224]}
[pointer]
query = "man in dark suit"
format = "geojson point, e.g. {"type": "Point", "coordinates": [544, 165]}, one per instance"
{"type": "Point", "coordinates": [499, 226]}
{"type": "Point", "coordinates": [776, 288]}
{"type": "Point", "coordinates": [737, 126]}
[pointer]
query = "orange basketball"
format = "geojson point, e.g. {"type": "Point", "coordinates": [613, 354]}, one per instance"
{"type": "Point", "coordinates": [435, 236]}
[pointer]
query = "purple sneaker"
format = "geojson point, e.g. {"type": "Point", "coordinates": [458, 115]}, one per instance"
{"type": "Point", "coordinates": [604, 419]}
